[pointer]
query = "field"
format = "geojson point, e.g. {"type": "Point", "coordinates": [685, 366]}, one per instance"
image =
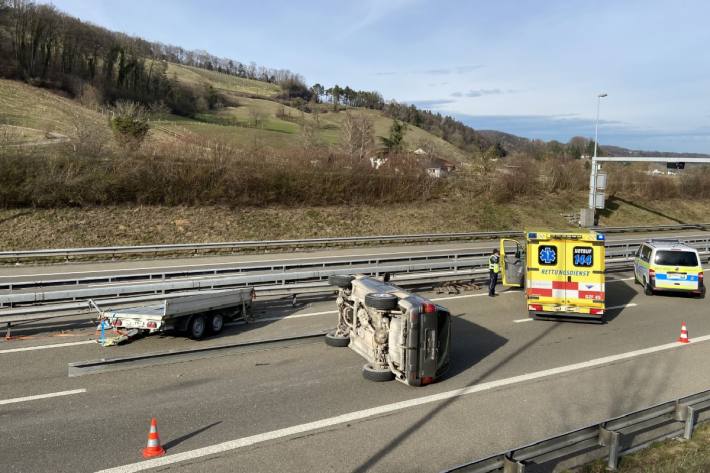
{"type": "Point", "coordinates": [230, 85]}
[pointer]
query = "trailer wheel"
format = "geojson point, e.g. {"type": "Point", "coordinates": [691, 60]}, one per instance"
{"type": "Point", "coordinates": [333, 340]}
{"type": "Point", "coordinates": [378, 375]}
{"type": "Point", "coordinates": [381, 301]}
{"type": "Point", "coordinates": [197, 327]}
{"type": "Point", "coordinates": [216, 323]}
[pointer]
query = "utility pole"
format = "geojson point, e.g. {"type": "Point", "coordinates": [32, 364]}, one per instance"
{"type": "Point", "coordinates": [595, 166]}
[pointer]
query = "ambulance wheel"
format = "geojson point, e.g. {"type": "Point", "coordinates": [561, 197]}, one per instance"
{"type": "Point", "coordinates": [377, 375]}
{"type": "Point", "coordinates": [381, 301]}
{"type": "Point", "coordinates": [648, 289]}
{"type": "Point", "coordinates": [197, 327]}
{"type": "Point", "coordinates": [338, 341]}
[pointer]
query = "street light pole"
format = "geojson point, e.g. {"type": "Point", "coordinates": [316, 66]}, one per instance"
{"type": "Point", "coordinates": [593, 177]}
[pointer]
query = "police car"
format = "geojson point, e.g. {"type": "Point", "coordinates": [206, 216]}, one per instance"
{"type": "Point", "coordinates": [668, 265]}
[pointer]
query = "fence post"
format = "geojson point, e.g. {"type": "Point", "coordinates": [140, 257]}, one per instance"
{"type": "Point", "coordinates": [610, 438]}
{"type": "Point", "coordinates": [512, 466]}
{"type": "Point", "coordinates": [686, 413]}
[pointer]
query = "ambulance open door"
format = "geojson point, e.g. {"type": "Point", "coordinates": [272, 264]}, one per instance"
{"type": "Point", "coordinates": [512, 263]}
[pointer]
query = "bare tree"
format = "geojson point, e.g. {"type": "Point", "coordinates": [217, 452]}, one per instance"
{"type": "Point", "coordinates": [357, 135]}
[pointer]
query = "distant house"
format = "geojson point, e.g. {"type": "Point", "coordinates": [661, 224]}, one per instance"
{"type": "Point", "coordinates": [378, 161]}
{"type": "Point", "coordinates": [437, 167]}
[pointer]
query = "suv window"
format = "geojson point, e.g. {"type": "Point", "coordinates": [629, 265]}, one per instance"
{"type": "Point", "coordinates": [645, 253]}
{"type": "Point", "coordinates": [676, 258]}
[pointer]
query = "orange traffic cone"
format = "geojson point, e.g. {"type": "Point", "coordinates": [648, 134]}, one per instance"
{"type": "Point", "coordinates": [683, 334]}
{"type": "Point", "coordinates": [153, 449]}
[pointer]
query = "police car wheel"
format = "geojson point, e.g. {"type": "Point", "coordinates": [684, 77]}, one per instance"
{"type": "Point", "coordinates": [378, 375]}
{"type": "Point", "coordinates": [381, 301]}
{"type": "Point", "coordinates": [648, 289]}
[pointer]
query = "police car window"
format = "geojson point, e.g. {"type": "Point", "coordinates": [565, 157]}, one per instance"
{"type": "Point", "coordinates": [583, 256]}
{"type": "Point", "coordinates": [646, 253]}
{"type": "Point", "coordinates": [547, 255]}
{"type": "Point", "coordinates": [676, 258]}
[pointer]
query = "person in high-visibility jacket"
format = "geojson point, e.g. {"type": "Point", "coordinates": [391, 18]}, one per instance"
{"type": "Point", "coordinates": [493, 270]}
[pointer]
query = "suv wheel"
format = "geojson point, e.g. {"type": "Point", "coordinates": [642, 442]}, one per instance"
{"type": "Point", "coordinates": [381, 301]}
{"type": "Point", "coordinates": [333, 340]}
{"type": "Point", "coordinates": [378, 375]}
{"type": "Point", "coordinates": [343, 281]}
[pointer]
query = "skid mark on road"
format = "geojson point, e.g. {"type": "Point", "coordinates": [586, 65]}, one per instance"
{"type": "Point", "coordinates": [41, 396]}
{"type": "Point", "coordinates": [388, 408]}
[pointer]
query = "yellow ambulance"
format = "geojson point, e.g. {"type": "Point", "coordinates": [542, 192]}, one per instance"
{"type": "Point", "coordinates": [562, 273]}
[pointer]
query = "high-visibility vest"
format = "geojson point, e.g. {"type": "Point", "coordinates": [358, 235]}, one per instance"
{"type": "Point", "coordinates": [493, 263]}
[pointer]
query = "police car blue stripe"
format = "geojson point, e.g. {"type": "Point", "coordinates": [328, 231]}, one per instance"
{"type": "Point", "coordinates": [688, 277]}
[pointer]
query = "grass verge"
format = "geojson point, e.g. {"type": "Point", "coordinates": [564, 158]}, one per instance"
{"type": "Point", "coordinates": [124, 225]}
{"type": "Point", "coordinates": [671, 456]}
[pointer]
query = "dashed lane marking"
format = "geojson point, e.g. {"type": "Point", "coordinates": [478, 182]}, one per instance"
{"type": "Point", "coordinates": [47, 347]}
{"type": "Point", "coordinates": [41, 396]}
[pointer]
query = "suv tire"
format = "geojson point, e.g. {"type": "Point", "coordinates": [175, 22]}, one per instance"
{"type": "Point", "coordinates": [377, 375]}
{"type": "Point", "coordinates": [381, 301]}
{"type": "Point", "coordinates": [338, 341]}
{"type": "Point", "coordinates": [343, 281]}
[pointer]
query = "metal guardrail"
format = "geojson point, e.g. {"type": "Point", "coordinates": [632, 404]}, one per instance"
{"type": "Point", "coordinates": [611, 439]}
{"type": "Point", "coordinates": [240, 245]}
{"type": "Point", "coordinates": [613, 248]}
{"type": "Point", "coordinates": [299, 277]}
{"type": "Point", "coordinates": [112, 251]}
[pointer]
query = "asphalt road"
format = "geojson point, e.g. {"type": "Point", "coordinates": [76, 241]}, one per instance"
{"type": "Point", "coordinates": [307, 408]}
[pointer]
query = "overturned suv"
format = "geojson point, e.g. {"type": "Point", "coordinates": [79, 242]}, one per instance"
{"type": "Point", "coordinates": [401, 335]}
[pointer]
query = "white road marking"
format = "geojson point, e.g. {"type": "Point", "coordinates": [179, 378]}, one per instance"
{"type": "Point", "coordinates": [387, 408]}
{"type": "Point", "coordinates": [47, 347]}
{"type": "Point", "coordinates": [41, 396]}
{"type": "Point", "coordinates": [209, 265]}
{"type": "Point", "coordinates": [631, 304]}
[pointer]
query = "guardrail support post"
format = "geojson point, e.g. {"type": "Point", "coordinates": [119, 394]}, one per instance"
{"type": "Point", "coordinates": [686, 413]}
{"type": "Point", "coordinates": [610, 438]}
{"type": "Point", "coordinates": [8, 334]}
{"type": "Point", "coordinates": [512, 466]}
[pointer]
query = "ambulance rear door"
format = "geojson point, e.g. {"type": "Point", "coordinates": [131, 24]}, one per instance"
{"type": "Point", "coordinates": [584, 280]}
{"type": "Point", "coordinates": [546, 272]}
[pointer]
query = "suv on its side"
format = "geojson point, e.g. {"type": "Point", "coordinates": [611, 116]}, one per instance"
{"type": "Point", "coordinates": [401, 335]}
{"type": "Point", "coordinates": [669, 265]}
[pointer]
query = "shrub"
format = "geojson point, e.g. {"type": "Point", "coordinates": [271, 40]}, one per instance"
{"type": "Point", "coordinates": [129, 124]}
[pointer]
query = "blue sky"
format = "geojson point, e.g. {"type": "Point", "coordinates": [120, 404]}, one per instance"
{"type": "Point", "coordinates": [532, 68]}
